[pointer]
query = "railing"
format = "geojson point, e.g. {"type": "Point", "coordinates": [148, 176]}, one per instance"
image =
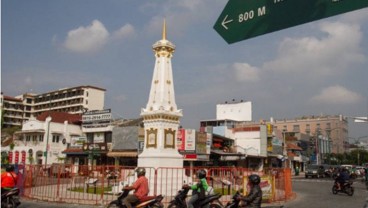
{"type": "Point", "coordinates": [98, 185]}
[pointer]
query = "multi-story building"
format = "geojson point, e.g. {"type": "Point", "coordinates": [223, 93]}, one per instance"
{"type": "Point", "coordinates": [12, 111]}
{"type": "Point", "coordinates": [75, 100]}
{"type": "Point", "coordinates": [332, 129]}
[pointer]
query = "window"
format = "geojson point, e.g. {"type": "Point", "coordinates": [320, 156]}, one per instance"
{"type": "Point", "coordinates": [40, 138]}
{"type": "Point", "coordinates": [34, 138]}
{"type": "Point", "coordinates": [296, 128]}
{"type": "Point", "coordinates": [28, 138]}
{"type": "Point", "coordinates": [108, 137]}
{"type": "Point", "coordinates": [55, 138]}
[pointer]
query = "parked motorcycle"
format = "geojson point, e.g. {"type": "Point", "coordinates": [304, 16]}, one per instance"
{"type": "Point", "coordinates": [148, 202]}
{"type": "Point", "coordinates": [346, 188]}
{"type": "Point", "coordinates": [10, 199]}
{"type": "Point", "coordinates": [211, 200]}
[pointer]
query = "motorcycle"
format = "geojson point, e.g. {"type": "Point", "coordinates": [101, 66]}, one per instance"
{"type": "Point", "coordinates": [211, 200]}
{"type": "Point", "coordinates": [10, 199]}
{"type": "Point", "coordinates": [148, 202]}
{"type": "Point", "coordinates": [346, 188]}
{"type": "Point", "coordinates": [235, 201]}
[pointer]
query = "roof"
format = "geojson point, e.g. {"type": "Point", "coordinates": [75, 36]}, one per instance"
{"type": "Point", "coordinates": [12, 99]}
{"type": "Point", "coordinates": [61, 117]}
{"type": "Point", "coordinates": [293, 147]}
{"type": "Point", "coordinates": [125, 138]}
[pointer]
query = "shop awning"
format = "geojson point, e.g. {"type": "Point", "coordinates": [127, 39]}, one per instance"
{"type": "Point", "coordinates": [74, 151]}
{"type": "Point", "coordinates": [123, 154]}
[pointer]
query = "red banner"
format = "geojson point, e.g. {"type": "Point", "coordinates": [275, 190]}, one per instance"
{"type": "Point", "coordinates": [23, 157]}
{"type": "Point", "coordinates": [181, 139]}
{"type": "Point", "coordinates": [16, 160]}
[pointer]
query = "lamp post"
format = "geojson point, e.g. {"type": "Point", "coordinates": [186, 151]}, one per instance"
{"type": "Point", "coordinates": [48, 120]}
{"type": "Point", "coordinates": [284, 151]}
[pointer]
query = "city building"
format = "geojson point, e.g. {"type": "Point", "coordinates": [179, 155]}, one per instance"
{"type": "Point", "coordinates": [42, 139]}
{"type": "Point", "coordinates": [12, 111]}
{"type": "Point", "coordinates": [329, 133]}
{"type": "Point", "coordinates": [75, 100]}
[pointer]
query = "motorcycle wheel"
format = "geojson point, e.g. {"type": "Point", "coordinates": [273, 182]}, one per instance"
{"type": "Point", "coordinates": [350, 191]}
{"type": "Point", "coordinates": [10, 203]}
{"type": "Point", "coordinates": [334, 189]}
{"type": "Point", "coordinates": [215, 206]}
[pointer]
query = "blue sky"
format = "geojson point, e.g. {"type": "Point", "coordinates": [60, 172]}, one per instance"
{"type": "Point", "coordinates": [312, 69]}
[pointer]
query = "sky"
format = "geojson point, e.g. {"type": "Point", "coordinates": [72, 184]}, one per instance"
{"type": "Point", "coordinates": [318, 68]}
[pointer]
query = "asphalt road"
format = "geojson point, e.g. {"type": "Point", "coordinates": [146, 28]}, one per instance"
{"type": "Point", "coordinates": [318, 193]}
{"type": "Point", "coordinates": [311, 193]}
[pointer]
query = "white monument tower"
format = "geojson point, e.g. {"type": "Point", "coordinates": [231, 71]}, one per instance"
{"type": "Point", "coordinates": [161, 115]}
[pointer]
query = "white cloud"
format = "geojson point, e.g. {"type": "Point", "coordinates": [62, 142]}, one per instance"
{"type": "Point", "coordinates": [245, 72]}
{"type": "Point", "coordinates": [332, 54]}
{"type": "Point", "coordinates": [124, 32]}
{"type": "Point", "coordinates": [87, 39]}
{"type": "Point", "coordinates": [337, 95]}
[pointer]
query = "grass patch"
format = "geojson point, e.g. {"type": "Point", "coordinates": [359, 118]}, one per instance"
{"type": "Point", "coordinates": [91, 190]}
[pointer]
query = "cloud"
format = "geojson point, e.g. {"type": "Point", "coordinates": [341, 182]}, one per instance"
{"type": "Point", "coordinates": [124, 32]}
{"type": "Point", "coordinates": [334, 53]}
{"type": "Point", "coordinates": [245, 72]}
{"type": "Point", "coordinates": [337, 95]}
{"type": "Point", "coordinates": [87, 39]}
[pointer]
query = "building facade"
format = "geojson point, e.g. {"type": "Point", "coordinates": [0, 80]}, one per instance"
{"type": "Point", "coordinates": [329, 131]}
{"type": "Point", "coordinates": [42, 139]}
{"type": "Point", "coordinates": [12, 109]}
{"type": "Point", "coordinates": [75, 100]}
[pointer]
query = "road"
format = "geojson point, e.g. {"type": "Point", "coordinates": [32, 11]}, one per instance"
{"type": "Point", "coordinates": [317, 193]}
{"type": "Point", "coordinates": [311, 193]}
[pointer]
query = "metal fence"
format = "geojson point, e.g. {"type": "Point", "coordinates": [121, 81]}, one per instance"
{"type": "Point", "coordinates": [98, 185]}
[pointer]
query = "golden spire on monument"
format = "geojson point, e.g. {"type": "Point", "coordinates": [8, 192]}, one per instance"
{"type": "Point", "coordinates": [164, 31]}
{"type": "Point", "coordinates": [164, 47]}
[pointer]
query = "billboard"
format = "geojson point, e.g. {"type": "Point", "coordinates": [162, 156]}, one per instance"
{"type": "Point", "coordinates": [96, 118]}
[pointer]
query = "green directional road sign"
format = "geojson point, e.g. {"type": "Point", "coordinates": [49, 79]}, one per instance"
{"type": "Point", "coordinates": [243, 19]}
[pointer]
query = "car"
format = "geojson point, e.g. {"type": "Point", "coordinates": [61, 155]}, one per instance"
{"type": "Point", "coordinates": [315, 171]}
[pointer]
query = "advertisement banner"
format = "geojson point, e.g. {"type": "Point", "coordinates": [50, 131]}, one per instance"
{"type": "Point", "coordinates": [201, 144]}
{"type": "Point", "coordinates": [190, 140]}
{"type": "Point", "coordinates": [265, 184]}
{"type": "Point", "coordinates": [209, 143]}
{"type": "Point", "coordinates": [77, 141]}
{"type": "Point", "coordinates": [180, 139]}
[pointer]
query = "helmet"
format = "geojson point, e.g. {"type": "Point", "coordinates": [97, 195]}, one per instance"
{"type": "Point", "coordinates": [201, 173]}
{"type": "Point", "coordinates": [140, 171]}
{"type": "Point", "coordinates": [9, 168]}
{"type": "Point", "coordinates": [254, 179]}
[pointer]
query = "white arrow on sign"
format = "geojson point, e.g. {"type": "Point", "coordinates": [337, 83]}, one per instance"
{"type": "Point", "coordinates": [225, 21]}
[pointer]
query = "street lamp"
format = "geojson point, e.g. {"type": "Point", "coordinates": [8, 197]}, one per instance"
{"type": "Point", "coordinates": [48, 120]}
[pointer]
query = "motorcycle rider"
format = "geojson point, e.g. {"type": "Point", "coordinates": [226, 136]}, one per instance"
{"type": "Point", "coordinates": [199, 189]}
{"type": "Point", "coordinates": [140, 187]}
{"type": "Point", "coordinates": [254, 198]}
{"type": "Point", "coordinates": [8, 179]}
{"type": "Point", "coordinates": [342, 178]}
